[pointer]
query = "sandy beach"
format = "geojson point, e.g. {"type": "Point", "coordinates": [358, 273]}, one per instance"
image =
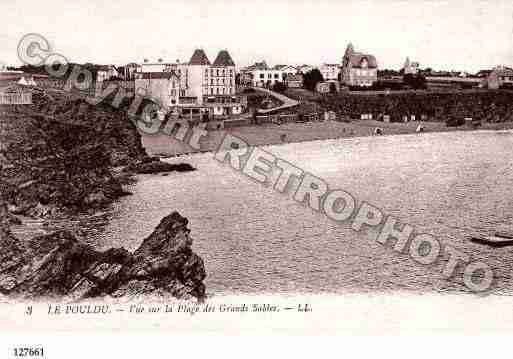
{"type": "Point", "coordinates": [270, 134]}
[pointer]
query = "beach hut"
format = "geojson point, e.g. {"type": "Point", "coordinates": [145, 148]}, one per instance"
{"type": "Point", "coordinates": [22, 81]}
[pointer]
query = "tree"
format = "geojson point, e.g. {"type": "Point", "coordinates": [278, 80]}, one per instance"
{"type": "Point", "coordinates": [415, 81]}
{"type": "Point", "coordinates": [279, 87]}
{"type": "Point", "coordinates": [311, 79]}
{"type": "Point", "coordinates": [388, 73]}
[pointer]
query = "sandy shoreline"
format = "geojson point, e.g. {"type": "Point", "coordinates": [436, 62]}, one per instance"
{"type": "Point", "coordinates": [262, 135]}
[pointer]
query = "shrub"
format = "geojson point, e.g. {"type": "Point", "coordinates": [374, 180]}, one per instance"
{"type": "Point", "coordinates": [311, 78]}
{"type": "Point", "coordinates": [279, 87]}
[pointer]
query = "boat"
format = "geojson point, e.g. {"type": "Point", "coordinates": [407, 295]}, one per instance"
{"type": "Point", "coordinates": [493, 241]}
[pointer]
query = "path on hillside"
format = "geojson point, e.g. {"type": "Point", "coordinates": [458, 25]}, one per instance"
{"type": "Point", "coordinates": [286, 102]}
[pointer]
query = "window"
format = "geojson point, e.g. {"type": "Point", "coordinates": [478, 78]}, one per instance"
{"type": "Point", "coordinates": [223, 90]}
{"type": "Point", "coordinates": [206, 72]}
{"type": "Point", "coordinates": [211, 81]}
{"type": "Point", "coordinates": [222, 81]}
{"type": "Point", "coordinates": [217, 90]}
{"type": "Point", "coordinates": [261, 76]}
{"type": "Point", "coordinates": [217, 72]}
{"type": "Point", "coordinates": [223, 72]}
{"type": "Point", "coordinates": [211, 90]}
{"type": "Point", "coordinates": [211, 72]}
{"type": "Point", "coordinates": [231, 72]}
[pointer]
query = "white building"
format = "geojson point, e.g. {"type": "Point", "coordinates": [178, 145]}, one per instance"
{"type": "Point", "coordinates": [262, 75]}
{"type": "Point", "coordinates": [219, 90]}
{"type": "Point", "coordinates": [500, 76]}
{"type": "Point", "coordinates": [161, 86]}
{"type": "Point", "coordinates": [410, 67]}
{"type": "Point", "coordinates": [198, 87]}
{"type": "Point", "coordinates": [358, 69]}
{"type": "Point", "coordinates": [330, 71]}
{"type": "Point", "coordinates": [286, 70]}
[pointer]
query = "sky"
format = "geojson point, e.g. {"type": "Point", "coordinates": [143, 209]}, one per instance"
{"type": "Point", "coordinates": [446, 35]}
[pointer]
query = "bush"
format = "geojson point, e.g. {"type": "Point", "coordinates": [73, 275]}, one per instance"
{"type": "Point", "coordinates": [455, 122]}
{"type": "Point", "coordinates": [311, 78]}
{"type": "Point", "coordinates": [279, 87]}
{"type": "Point", "coordinates": [415, 81]}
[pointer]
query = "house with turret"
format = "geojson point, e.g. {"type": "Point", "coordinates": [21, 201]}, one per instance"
{"type": "Point", "coordinates": [358, 69]}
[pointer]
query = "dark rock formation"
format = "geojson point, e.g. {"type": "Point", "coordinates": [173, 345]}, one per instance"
{"type": "Point", "coordinates": [57, 265]}
{"type": "Point", "coordinates": [157, 166]}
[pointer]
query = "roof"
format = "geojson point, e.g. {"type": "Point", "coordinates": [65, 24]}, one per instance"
{"type": "Point", "coordinates": [279, 67]}
{"type": "Point", "coordinates": [155, 75]}
{"type": "Point", "coordinates": [295, 77]}
{"type": "Point", "coordinates": [258, 66]}
{"type": "Point", "coordinates": [223, 59]}
{"type": "Point", "coordinates": [199, 58]}
{"type": "Point", "coordinates": [356, 58]}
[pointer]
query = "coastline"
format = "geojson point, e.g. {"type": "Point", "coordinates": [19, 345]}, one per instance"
{"type": "Point", "coordinates": [165, 146]}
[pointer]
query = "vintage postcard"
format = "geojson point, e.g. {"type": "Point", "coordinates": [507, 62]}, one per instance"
{"type": "Point", "coordinates": [256, 166]}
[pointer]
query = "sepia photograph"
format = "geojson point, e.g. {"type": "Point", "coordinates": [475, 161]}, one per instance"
{"type": "Point", "coordinates": [281, 166]}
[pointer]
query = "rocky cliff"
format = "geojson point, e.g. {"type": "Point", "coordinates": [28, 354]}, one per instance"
{"type": "Point", "coordinates": [58, 153]}
{"type": "Point", "coordinates": [58, 265]}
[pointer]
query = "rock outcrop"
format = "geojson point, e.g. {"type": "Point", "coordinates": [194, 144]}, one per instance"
{"type": "Point", "coordinates": [153, 166]}
{"type": "Point", "coordinates": [58, 265]}
{"type": "Point", "coordinates": [57, 154]}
